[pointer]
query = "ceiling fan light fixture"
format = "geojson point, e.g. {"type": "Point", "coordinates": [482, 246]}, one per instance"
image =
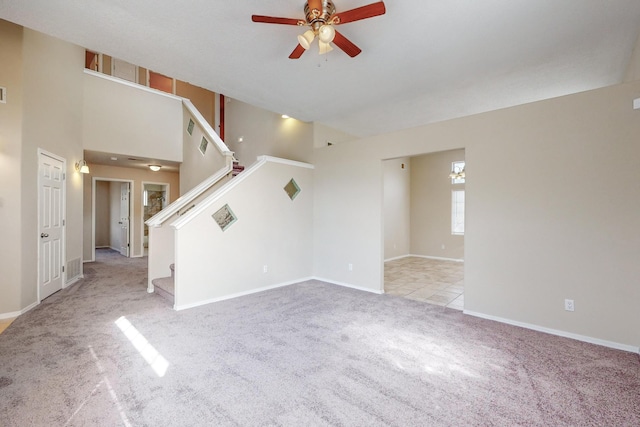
{"type": "Point", "coordinates": [324, 47]}
{"type": "Point", "coordinates": [306, 39]}
{"type": "Point", "coordinates": [326, 33]}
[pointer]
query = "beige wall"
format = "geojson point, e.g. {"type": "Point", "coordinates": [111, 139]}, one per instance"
{"type": "Point", "coordinates": [52, 121]}
{"type": "Point", "coordinates": [11, 116]}
{"type": "Point", "coordinates": [106, 64]}
{"type": "Point", "coordinates": [265, 133]}
{"type": "Point", "coordinates": [103, 214]}
{"type": "Point", "coordinates": [138, 176]}
{"type": "Point", "coordinates": [397, 207]}
{"type": "Point", "coordinates": [633, 69]}
{"type": "Point", "coordinates": [431, 206]}
{"type": "Point", "coordinates": [550, 210]}
{"type": "Point", "coordinates": [43, 111]}
{"type": "Point", "coordinates": [195, 166]}
{"type": "Point", "coordinates": [115, 231]}
{"type": "Point", "coordinates": [203, 99]}
{"type": "Point", "coordinates": [123, 119]}
{"type": "Point", "coordinates": [324, 135]}
{"type": "Point", "coordinates": [271, 230]}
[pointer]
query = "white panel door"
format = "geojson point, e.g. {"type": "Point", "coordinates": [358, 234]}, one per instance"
{"type": "Point", "coordinates": [124, 219]}
{"type": "Point", "coordinates": [51, 225]}
{"type": "Point", "coordinates": [124, 70]}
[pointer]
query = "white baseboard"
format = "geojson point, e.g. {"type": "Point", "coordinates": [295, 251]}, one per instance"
{"type": "Point", "coordinates": [397, 257]}
{"type": "Point", "coordinates": [15, 314]}
{"type": "Point", "coordinates": [424, 256]}
{"type": "Point", "coordinates": [266, 288]}
{"type": "Point", "coordinates": [556, 332]}
{"type": "Point", "coordinates": [348, 285]}
{"type": "Point", "coordinates": [72, 281]}
{"type": "Point", "coordinates": [438, 258]}
{"type": "Point", "coordinates": [239, 294]}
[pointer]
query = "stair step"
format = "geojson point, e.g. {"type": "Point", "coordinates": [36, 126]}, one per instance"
{"type": "Point", "coordinates": [165, 287]}
{"type": "Point", "coordinates": [237, 168]}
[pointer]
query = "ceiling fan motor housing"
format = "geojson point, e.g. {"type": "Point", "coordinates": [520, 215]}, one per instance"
{"type": "Point", "coordinates": [317, 18]}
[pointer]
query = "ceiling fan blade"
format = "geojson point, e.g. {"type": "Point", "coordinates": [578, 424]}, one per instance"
{"type": "Point", "coordinates": [363, 12]}
{"type": "Point", "coordinates": [297, 52]}
{"type": "Point", "coordinates": [345, 44]}
{"type": "Point", "coordinates": [275, 20]}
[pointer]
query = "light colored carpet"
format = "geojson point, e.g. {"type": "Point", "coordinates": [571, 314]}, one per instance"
{"type": "Point", "coordinates": [307, 354]}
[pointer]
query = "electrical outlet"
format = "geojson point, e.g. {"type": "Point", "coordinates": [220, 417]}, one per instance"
{"type": "Point", "coordinates": [568, 305]}
{"type": "Point", "coordinates": [350, 267]}
{"type": "Point", "coordinates": [265, 268]}
{"type": "Point", "coordinates": [442, 246]}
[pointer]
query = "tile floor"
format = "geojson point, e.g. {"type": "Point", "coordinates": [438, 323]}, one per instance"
{"type": "Point", "coordinates": [427, 280]}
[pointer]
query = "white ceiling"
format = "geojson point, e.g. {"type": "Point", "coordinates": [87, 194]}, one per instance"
{"type": "Point", "coordinates": [423, 61]}
{"type": "Point", "coordinates": [100, 158]}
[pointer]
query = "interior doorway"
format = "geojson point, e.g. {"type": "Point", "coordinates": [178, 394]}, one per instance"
{"type": "Point", "coordinates": [111, 215]}
{"type": "Point", "coordinates": [423, 224]}
{"type": "Point", "coordinates": [51, 213]}
{"type": "Point", "coordinates": [155, 197]}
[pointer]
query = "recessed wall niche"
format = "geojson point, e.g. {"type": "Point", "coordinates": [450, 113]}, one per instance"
{"type": "Point", "coordinates": [203, 145]}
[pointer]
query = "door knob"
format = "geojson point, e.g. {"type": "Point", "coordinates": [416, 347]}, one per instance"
{"type": "Point", "coordinates": [43, 235]}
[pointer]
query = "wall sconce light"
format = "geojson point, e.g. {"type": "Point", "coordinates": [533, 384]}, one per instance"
{"type": "Point", "coordinates": [155, 168]}
{"type": "Point", "coordinates": [82, 167]}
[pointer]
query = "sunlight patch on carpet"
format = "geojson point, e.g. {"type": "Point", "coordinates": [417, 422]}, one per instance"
{"type": "Point", "coordinates": [158, 363]}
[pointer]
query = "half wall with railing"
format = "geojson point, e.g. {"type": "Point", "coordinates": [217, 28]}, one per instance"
{"type": "Point", "coordinates": [251, 234]}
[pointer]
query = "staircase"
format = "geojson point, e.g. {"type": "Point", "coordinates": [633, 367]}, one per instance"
{"type": "Point", "coordinates": [257, 194]}
{"type": "Point", "coordinates": [236, 168]}
{"type": "Point", "coordinates": [165, 286]}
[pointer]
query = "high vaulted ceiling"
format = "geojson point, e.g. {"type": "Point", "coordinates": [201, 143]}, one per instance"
{"type": "Point", "coordinates": [421, 62]}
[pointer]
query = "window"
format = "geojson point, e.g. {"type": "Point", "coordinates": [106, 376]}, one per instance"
{"type": "Point", "coordinates": [457, 172]}
{"type": "Point", "coordinates": [457, 212]}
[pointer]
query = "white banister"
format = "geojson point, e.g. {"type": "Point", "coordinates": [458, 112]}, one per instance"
{"type": "Point", "coordinates": [193, 213]}
{"type": "Point", "coordinates": [188, 197]}
{"type": "Point", "coordinates": [207, 129]}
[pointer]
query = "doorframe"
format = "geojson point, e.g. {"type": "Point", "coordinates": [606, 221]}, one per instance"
{"type": "Point", "coordinates": [93, 212]}
{"type": "Point", "coordinates": [63, 250]}
{"type": "Point", "coordinates": [167, 186]}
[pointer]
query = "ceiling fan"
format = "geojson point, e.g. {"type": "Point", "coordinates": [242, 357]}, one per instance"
{"type": "Point", "coordinates": [321, 17]}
